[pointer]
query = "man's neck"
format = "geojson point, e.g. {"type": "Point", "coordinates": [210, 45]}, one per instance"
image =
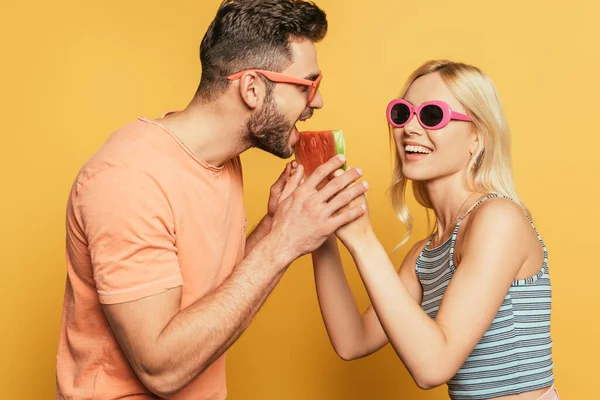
{"type": "Point", "coordinates": [210, 130]}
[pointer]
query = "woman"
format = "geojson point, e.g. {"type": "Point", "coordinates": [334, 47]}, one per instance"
{"type": "Point", "coordinates": [470, 305]}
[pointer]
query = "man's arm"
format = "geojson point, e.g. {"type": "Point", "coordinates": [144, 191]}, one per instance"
{"type": "Point", "coordinates": [168, 348]}
{"type": "Point", "coordinates": [262, 229]}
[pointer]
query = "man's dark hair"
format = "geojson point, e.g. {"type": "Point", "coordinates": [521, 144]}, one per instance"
{"type": "Point", "coordinates": [247, 34]}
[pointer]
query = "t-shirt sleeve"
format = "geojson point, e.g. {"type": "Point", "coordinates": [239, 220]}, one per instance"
{"type": "Point", "coordinates": [130, 232]}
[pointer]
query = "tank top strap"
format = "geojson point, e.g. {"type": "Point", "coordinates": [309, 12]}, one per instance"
{"type": "Point", "coordinates": [477, 204]}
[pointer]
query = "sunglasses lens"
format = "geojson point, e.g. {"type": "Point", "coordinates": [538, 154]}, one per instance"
{"type": "Point", "coordinates": [431, 115]}
{"type": "Point", "coordinates": [399, 114]}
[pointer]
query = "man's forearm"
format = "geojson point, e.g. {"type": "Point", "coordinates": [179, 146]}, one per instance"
{"type": "Point", "coordinates": [199, 334]}
{"type": "Point", "coordinates": [262, 229]}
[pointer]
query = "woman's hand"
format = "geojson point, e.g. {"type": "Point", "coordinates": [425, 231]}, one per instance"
{"type": "Point", "coordinates": [359, 229]}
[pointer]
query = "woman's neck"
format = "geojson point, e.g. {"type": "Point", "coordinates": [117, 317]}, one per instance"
{"type": "Point", "coordinates": [450, 197]}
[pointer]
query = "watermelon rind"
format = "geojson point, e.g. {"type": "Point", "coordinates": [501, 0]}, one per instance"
{"type": "Point", "coordinates": [340, 144]}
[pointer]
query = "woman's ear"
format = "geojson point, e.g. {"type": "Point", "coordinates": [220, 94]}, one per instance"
{"type": "Point", "coordinates": [475, 144]}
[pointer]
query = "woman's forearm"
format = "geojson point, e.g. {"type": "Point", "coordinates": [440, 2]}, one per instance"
{"type": "Point", "coordinates": [416, 338]}
{"type": "Point", "coordinates": [342, 318]}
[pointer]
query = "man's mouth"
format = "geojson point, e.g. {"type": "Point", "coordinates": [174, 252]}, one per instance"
{"type": "Point", "coordinates": [295, 134]}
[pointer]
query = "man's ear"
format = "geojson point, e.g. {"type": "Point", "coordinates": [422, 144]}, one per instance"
{"type": "Point", "coordinates": [252, 89]}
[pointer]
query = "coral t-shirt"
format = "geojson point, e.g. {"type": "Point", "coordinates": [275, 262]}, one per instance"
{"type": "Point", "coordinates": [144, 215]}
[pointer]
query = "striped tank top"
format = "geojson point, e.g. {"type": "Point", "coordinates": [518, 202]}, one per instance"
{"type": "Point", "coordinates": [515, 353]}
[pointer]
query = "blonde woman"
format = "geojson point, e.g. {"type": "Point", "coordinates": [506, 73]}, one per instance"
{"type": "Point", "coordinates": [470, 305]}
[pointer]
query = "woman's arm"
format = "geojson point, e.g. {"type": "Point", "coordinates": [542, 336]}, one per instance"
{"type": "Point", "coordinates": [434, 350]}
{"type": "Point", "coordinates": [353, 335]}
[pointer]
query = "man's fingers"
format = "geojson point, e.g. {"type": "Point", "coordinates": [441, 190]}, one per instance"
{"type": "Point", "coordinates": [324, 170]}
{"type": "Point", "coordinates": [280, 182]}
{"type": "Point", "coordinates": [345, 197]}
{"type": "Point", "coordinates": [292, 183]}
{"type": "Point", "coordinates": [339, 183]}
{"type": "Point", "coordinates": [336, 173]}
{"type": "Point", "coordinates": [347, 216]}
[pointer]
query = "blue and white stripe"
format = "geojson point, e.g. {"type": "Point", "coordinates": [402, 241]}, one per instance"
{"type": "Point", "coordinates": [515, 354]}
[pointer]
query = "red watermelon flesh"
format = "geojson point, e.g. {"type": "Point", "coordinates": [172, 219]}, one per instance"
{"type": "Point", "coordinates": [317, 147]}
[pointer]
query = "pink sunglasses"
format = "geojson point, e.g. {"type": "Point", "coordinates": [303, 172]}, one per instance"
{"type": "Point", "coordinates": [281, 78]}
{"type": "Point", "coordinates": [431, 115]}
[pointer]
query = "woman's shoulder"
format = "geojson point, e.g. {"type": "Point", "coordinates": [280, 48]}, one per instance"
{"type": "Point", "coordinates": [499, 209]}
{"type": "Point", "coordinates": [500, 216]}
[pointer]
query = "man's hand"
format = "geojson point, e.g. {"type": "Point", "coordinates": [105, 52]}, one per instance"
{"type": "Point", "coordinates": [277, 189]}
{"type": "Point", "coordinates": [305, 218]}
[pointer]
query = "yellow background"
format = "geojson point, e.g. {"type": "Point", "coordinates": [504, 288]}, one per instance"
{"type": "Point", "coordinates": [74, 71]}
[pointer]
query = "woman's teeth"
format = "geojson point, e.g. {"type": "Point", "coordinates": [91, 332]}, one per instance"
{"type": "Point", "coordinates": [417, 149]}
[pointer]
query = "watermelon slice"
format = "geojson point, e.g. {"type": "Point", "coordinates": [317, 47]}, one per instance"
{"type": "Point", "coordinates": [316, 147]}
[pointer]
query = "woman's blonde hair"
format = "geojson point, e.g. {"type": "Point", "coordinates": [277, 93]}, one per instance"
{"type": "Point", "coordinates": [491, 163]}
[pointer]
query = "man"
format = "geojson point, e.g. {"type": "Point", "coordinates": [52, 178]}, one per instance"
{"type": "Point", "coordinates": [161, 279]}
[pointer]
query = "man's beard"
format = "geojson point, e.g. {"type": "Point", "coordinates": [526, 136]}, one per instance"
{"type": "Point", "coordinates": [269, 130]}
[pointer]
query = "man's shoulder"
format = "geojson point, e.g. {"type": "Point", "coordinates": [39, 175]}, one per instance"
{"type": "Point", "coordinates": [137, 146]}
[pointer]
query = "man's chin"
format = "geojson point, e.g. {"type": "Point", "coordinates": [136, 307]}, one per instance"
{"type": "Point", "coordinates": [286, 154]}
{"type": "Point", "coordinates": [279, 148]}
{"type": "Point", "coordinates": [280, 153]}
